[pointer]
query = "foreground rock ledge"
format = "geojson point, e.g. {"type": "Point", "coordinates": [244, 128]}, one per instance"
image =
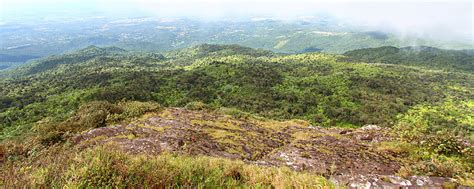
{"type": "Point", "coordinates": [345, 156]}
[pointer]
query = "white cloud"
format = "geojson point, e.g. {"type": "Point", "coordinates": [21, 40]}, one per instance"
{"type": "Point", "coordinates": [448, 19]}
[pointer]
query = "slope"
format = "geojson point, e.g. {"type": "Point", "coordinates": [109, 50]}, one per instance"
{"type": "Point", "coordinates": [253, 106]}
{"type": "Point", "coordinates": [314, 87]}
{"type": "Point", "coordinates": [428, 57]}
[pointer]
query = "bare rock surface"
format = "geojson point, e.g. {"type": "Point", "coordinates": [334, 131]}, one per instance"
{"type": "Point", "coordinates": [344, 155]}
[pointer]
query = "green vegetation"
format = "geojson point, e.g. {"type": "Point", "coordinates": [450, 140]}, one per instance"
{"type": "Point", "coordinates": [324, 34]}
{"type": "Point", "coordinates": [91, 115]}
{"type": "Point", "coordinates": [314, 87]}
{"type": "Point", "coordinates": [428, 57]}
{"type": "Point", "coordinates": [438, 138]}
{"type": "Point", "coordinates": [50, 100]}
{"type": "Point", "coordinates": [109, 168]}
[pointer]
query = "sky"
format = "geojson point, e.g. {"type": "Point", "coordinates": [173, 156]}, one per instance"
{"type": "Point", "coordinates": [443, 19]}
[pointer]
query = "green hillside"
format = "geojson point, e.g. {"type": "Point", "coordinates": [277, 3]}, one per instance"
{"type": "Point", "coordinates": [428, 57]}
{"type": "Point", "coordinates": [315, 87]}
{"type": "Point", "coordinates": [427, 112]}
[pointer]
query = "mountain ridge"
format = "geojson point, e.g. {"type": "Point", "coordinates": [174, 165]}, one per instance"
{"type": "Point", "coordinates": [428, 57]}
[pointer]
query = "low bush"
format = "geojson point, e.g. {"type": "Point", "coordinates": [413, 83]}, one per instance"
{"type": "Point", "coordinates": [196, 105]}
{"type": "Point", "coordinates": [447, 143]}
{"type": "Point", "coordinates": [438, 165]}
{"type": "Point", "coordinates": [131, 109]}
{"type": "Point", "coordinates": [395, 148]}
{"type": "Point", "coordinates": [91, 115]}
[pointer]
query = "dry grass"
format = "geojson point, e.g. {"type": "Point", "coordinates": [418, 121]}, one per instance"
{"type": "Point", "coordinates": [107, 167]}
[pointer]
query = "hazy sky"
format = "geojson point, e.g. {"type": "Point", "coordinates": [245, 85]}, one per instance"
{"type": "Point", "coordinates": [446, 19]}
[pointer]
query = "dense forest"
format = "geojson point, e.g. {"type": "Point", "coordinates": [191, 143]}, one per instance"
{"type": "Point", "coordinates": [316, 87]}
{"type": "Point", "coordinates": [427, 57]}
{"type": "Point", "coordinates": [389, 87]}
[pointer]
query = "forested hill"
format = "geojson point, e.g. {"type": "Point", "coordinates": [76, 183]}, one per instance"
{"type": "Point", "coordinates": [314, 86]}
{"type": "Point", "coordinates": [173, 58]}
{"type": "Point", "coordinates": [53, 62]}
{"type": "Point", "coordinates": [232, 102]}
{"type": "Point", "coordinates": [427, 57]}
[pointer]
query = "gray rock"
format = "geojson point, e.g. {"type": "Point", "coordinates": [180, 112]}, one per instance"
{"type": "Point", "coordinates": [370, 127]}
{"type": "Point", "coordinates": [399, 180]}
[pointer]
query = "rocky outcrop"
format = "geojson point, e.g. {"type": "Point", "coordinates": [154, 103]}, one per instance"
{"type": "Point", "coordinates": [344, 155]}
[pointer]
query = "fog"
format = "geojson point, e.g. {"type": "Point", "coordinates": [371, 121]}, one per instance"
{"type": "Point", "coordinates": [441, 20]}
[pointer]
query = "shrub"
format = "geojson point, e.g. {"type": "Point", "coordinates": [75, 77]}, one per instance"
{"type": "Point", "coordinates": [91, 115]}
{"type": "Point", "coordinates": [14, 150]}
{"type": "Point", "coordinates": [235, 113]}
{"type": "Point", "coordinates": [94, 114]}
{"type": "Point", "coordinates": [447, 143]}
{"type": "Point", "coordinates": [396, 148]}
{"type": "Point", "coordinates": [439, 165]}
{"type": "Point", "coordinates": [196, 105]}
{"type": "Point", "coordinates": [131, 109]}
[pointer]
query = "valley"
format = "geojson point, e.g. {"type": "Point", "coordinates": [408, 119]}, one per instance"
{"type": "Point", "coordinates": [27, 40]}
